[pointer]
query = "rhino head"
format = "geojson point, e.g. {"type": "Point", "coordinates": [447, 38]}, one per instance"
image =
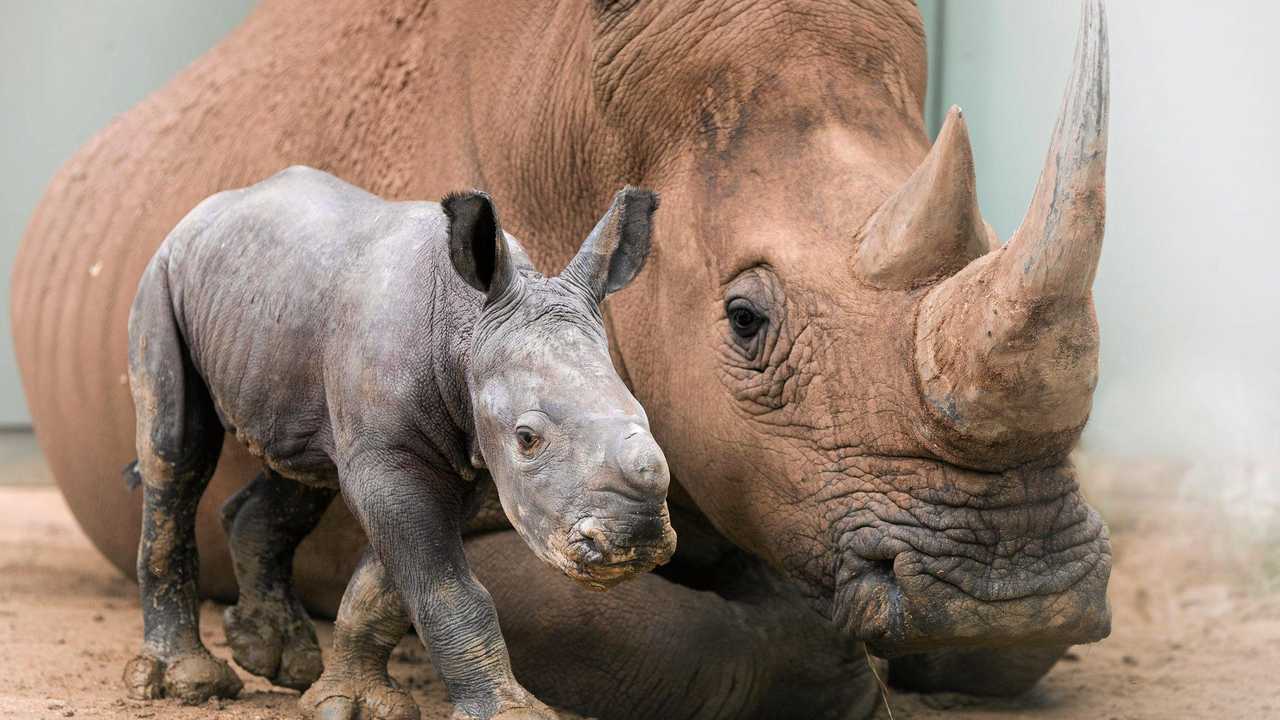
{"type": "Point", "coordinates": [885, 395]}
{"type": "Point", "coordinates": [576, 469]}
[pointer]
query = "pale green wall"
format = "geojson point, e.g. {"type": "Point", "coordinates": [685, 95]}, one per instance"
{"type": "Point", "coordinates": [933, 12]}
{"type": "Point", "coordinates": [1188, 293]}
{"type": "Point", "coordinates": [67, 67]}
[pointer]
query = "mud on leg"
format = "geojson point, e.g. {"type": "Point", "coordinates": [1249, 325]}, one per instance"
{"type": "Point", "coordinates": [179, 438]}
{"type": "Point", "coordinates": [174, 662]}
{"type": "Point", "coordinates": [371, 622]}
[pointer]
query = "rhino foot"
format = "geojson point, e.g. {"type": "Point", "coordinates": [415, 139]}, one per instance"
{"type": "Point", "coordinates": [513, 703]}
{"type": "Point", "coordinates": [275, 641]}
{"type": "Point", "coordinates": [192, 678]}
{"type": "Point", "coordinates": [527, 713]}
{"type": "Point", "coordinates": [346, 698]}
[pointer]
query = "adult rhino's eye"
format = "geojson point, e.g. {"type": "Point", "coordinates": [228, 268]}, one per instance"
{"type": "Point", "coordinates": [755, 311]}
{"type": "Point", "coordinates": [743, 319]}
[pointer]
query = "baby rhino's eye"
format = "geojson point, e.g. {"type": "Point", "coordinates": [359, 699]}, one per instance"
{"type": "Point", "coordinates": [532, 432]}
{"type": "Point", "coordinates": [527, 439]}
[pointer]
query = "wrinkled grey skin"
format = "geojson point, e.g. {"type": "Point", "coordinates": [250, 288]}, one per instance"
{"type": "Point", "coordinates": [403, 354]}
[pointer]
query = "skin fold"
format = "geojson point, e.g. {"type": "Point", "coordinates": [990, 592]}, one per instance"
{"type": "Point", "coordinates": [408, 356]}
{"type": "Point", "coordinates": [865, 400]}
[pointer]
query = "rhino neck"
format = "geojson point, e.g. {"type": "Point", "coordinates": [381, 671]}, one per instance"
{"type": "Point", "coordinates": [447, 319]}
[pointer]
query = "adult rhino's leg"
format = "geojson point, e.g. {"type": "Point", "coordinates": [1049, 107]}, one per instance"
{"type": "Point", "coordinates": [355, 684]}
{"type": "Point", "coordinates": [268, 629]}
{"type": "Point", "coordinates": [654, 648]}
{"type": "Point", "coordinates": [178, 441]}
{"type": "Point", "coordinates": [1002, 672]}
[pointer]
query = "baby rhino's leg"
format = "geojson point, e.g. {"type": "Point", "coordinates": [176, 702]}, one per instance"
{"type": "Point", "coordinates": [268, 629]}
{"type": "Point", "coordinates": [413, 518]}
{"type": "Point", "coordinates": [178, 441]}
{"type": "Point", "coordinates": [355, 684]}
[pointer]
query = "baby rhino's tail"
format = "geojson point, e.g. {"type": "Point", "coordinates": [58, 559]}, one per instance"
{"type": "Point", "coordinates": [132, 478]}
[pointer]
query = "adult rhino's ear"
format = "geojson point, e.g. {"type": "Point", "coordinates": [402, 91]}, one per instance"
{"type": "Point", "coordinates": [616, 249]}
{"type": "Point", "coordinates": [477, 245]}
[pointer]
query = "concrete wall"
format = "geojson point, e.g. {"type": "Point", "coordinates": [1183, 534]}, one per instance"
{"type": "Point", "coordinates": [1188, 293]}
{"type": "Point", "coordinates": [65, 69]}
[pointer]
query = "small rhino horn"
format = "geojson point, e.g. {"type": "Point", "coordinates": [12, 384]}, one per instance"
{"type": "Point", "coordinates": [931, 226]}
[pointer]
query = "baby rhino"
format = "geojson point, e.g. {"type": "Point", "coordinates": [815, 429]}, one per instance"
{"type": "Point", "coordinates": [405, 354]}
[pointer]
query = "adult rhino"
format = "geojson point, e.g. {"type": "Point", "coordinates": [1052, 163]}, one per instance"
{"type": "Point", "coordinates": [866, 402]}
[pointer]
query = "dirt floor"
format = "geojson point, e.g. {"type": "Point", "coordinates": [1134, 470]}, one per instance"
{"type": "Point", "coordinates": [1196, 595]}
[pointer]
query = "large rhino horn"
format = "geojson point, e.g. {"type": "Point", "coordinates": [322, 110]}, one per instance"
{"type": "Point", "coordinates": [931, 226]}
{"type": "Point", "coordinates": [1007, 348]}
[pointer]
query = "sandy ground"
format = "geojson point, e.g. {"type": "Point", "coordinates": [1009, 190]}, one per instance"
{"type": "Point", "coordinates": [1196, 594]}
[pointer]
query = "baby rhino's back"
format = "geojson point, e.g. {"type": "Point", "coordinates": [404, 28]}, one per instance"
{"type": "Point", "coordinates": [254, 274]}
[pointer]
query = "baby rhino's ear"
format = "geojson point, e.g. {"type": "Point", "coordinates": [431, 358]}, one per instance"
{"type": "Point", "coordinates": [615, 251]}
{"type": "Point", "coordinates": [477, 245]}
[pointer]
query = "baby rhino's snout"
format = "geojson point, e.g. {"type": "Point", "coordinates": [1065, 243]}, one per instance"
{"type": "Point", "coordinates": [630, 532]}
{"type": "Point", "coordinates": [643, 467]}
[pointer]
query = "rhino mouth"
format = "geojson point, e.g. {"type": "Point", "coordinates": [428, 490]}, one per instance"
{"type": "Point", "coordinates": [1024, 563]}
{"type": "Point", "coordinates": [602, 552]}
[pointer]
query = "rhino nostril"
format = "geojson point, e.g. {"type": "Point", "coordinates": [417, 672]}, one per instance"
{"type": "Point", "coordinates": [591, 530]}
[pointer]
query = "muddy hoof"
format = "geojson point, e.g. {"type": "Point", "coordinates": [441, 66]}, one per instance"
{"type": "Point", "coordinates": [144, 678]}
{"type": "Point", "coordinates": [191, 678]}
{"type": "Point", "coordinates": [346, 699]}
{"type": "Point", "coordinates": [282, 649]}
{"type": "Point", "coordinates": [300, 662]}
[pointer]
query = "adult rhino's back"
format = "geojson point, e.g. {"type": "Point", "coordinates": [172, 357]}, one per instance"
{"type": "Point", "coordinates": [263, 99]}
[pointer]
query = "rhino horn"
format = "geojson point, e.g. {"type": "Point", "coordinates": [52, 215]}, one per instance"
{"type": "Point", "coordinates": [1055, 250]}
{"type": "Point", "coordinates": [1007, 348]}
{"type": "Point", "coordinates": [931, 226]}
